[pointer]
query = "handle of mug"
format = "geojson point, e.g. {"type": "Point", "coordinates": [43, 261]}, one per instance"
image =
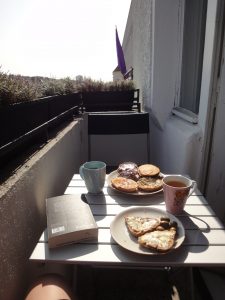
{"type": "Point", "coordinates": [81, 172]}
{"type": "Point", "coordinates": [193, 187]}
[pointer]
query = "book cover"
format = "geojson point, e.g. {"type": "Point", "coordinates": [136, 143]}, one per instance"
{"type": "Point", "coordinates": [69, 220]}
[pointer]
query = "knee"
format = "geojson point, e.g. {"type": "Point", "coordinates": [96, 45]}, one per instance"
{"type": "Point", "coordinates": [51, 287]}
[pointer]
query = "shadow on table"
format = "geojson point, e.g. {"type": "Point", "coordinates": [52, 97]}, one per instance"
{"type": "Point", "coordinates": [69, 252]}
{"type": "Point", "coordinates": [96, 199]}
{"type": "Point", "coordinates": [203, 225]}
{"type": "Point", "coordinates": [134, 199]}
{"type": "Point", "coordinates": [194, 234]}
{"type": "Point", "coordinates": [156, 259]}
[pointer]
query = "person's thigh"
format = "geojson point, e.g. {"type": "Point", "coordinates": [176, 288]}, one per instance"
{"type": "Point", "coordinates": [50, 287]}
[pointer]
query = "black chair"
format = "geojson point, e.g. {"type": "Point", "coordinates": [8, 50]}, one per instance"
{"type": "Point", "coordinates": [116, 137]}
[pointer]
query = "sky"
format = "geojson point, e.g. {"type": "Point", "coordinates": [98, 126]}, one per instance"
{"type": "Point", "coordinates": [61, 38]}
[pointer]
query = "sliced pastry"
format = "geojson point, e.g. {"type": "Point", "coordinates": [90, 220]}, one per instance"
{"type": "Point", "coordinates": [159, 240]}
{"type": "Point", "coordinates": [149, 184]}
{"type": "Point", "coordinates": [140, 225]}
{"type": "Point", "coordinates": [148, 170]}
{"type": "Point", "coordinates": [128, 170]}
{"type": "Point", "coordinates": [124, 184]}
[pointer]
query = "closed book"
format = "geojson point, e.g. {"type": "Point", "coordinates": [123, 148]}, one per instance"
{"type": "Point", "coordinates": [69, 220]}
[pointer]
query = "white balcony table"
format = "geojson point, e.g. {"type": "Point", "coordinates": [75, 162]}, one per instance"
{"type": "Point", "coordinates": [204, 243]}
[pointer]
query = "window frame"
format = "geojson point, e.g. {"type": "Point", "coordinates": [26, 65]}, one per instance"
{"type": "Point", "coordinates": [180, 109]}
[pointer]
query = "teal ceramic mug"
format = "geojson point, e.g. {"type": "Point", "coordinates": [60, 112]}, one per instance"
{"type": "Point", "coordinates": [93, 173]}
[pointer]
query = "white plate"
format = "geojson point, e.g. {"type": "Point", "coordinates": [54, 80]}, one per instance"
{"type": "Point", "coordinates": [138, 193]}
{"type": "Point", "coordinates": [122, 236]}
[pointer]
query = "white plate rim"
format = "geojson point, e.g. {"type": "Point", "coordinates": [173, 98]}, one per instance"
{"type": "Point", "coordinates": [123, 238]}
{"type": "Point", "coordinates": [114, 174]}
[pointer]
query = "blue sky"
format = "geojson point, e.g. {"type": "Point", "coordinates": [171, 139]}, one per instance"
{"type": "Point", "coordinates": [60, 38]}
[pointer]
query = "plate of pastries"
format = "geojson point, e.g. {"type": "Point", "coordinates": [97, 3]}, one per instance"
{"type": "Point", "coordinates": [147, 230]}
{"type": "Point", "coordinates": [132, 179]}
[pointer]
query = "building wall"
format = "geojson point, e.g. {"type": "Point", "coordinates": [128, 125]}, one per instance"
{"type": "Point", "coordinates": [178, 147]}
{"type": "Point", "coordinates": [117, 76]}
{"type": "Point", "coordinates": [153, 47]}
{"type": "Point", "coordinates": [136, 42]}
{"type": "Point", "coordinates": [22, 204]}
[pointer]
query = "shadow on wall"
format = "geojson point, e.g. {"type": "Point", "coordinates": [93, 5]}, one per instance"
{"type": "Point", "coordinates": [22, 207]}
{"type": "Point", "coordinates": [176, 149]}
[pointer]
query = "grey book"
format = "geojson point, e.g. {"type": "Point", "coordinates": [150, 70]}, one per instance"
{"type": "Point", "coordinates": [69, 220]}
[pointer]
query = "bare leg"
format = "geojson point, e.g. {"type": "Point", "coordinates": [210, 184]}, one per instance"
{"type": "Point", "coordinates": [50, 287]}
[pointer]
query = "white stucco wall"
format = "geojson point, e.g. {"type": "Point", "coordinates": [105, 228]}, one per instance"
{"type": "Point", "coordinates": [150, 45]}
{"type": "Point", "coordinates": [176, 148]}
{"type": "Point", "coordinates": [137, 39]}
{"type": "Point", "coordinates": [153, 47]}
{"type": "Point", "coordinates": [22, 204]}
{"type": "Point", "coordinates": [166, 48]}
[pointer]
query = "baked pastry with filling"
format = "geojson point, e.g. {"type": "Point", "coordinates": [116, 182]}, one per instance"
{"type": "Point", "coordinates": [128, 170]}
{"type": "Point", "coordinates": [124, 184]}
{"type": "Point", "coordinates": [149, 184]}
{"type": "Point", "coordinates": [159, 240]}
{"type": "Point", "coordinates": [148, 170]}
{"type": "Point", "coordinates": [137, 226]}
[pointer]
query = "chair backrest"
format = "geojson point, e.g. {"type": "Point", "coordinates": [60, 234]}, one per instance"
{"type": "Point", "coordinates": [115, 137]}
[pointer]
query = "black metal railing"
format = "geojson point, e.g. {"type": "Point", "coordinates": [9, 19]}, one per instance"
{"type": "Point", "coordinates": [33, 139]}
{"type": "Point", "coordinates": [29, 125]}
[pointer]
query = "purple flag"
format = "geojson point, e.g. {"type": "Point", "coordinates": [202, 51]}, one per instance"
{"type": "Point", "coordinates": [120, 56]}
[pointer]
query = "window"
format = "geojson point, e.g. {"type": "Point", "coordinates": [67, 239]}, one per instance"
{"type": "Point", "coordinates": [192, 55]}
